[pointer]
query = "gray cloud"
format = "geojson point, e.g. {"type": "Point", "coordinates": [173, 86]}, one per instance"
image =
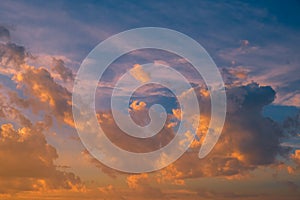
{"type": "Point", "coordinates": [64, 72]}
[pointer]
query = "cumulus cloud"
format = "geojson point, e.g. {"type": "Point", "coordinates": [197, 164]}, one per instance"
{"type": "Point", "coordinates": [27, 162]}
{"type": "Point", "coordinates": [249, 140]}
{"type": "Point", "coordinates": [139, 112]}
{"type": "Point", "coordinates": [241, 148]}
{"type": "Point", "coordinates": [41, 91]}
{"type": "Point", "coordinates": [39, 85]}
{"type": "Point", "coordinates": [27, 159]}
{"type": "Point", "coordinates": [64, 72]}
{"type": "Point", "coordinates": [12, 56]}
{"type": "Point", "coordinates": [8, 111]}
{"type": "Point", "coordinates": [129, 143]}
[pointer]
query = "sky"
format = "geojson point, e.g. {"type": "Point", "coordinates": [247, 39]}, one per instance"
{"type": "Point", "coordinates": [255, 46]}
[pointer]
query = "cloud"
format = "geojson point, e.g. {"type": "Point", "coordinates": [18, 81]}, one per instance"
{"type": "Point", "coordinates": [291, 125]}
{"type": "Point", "coordinates": [138, 106]}
{"type": "Point", "coordinates": [107, 170]}
{"type": "Point", "coordinates": [12, 56]}
{"type": "Point", "coordinates": [41, 90]}
{"type": "Point", "coordinates": [139, 74]}
{"type": "Point", "coordinates": [4, 34]}
{"type": "Point", "coordinates": [271, 63]}
{"type": "Point", "coordinates": [177, 113]}
{"type": "Point", "coordinates": [292, 99]}
{"type": "Point", "coordinates": [249, 140]}
{"type": "Point", "coordinates": [40, 87]}
{"type": "Point", "coordinates": [210, 194]}
{"type": "Point", "coordinates": [141, 183]}
{"type": "Point", "coordinates": [136, 181]}
{"type": "Point", "coordinates": [27, 162]}
{"type": "Point", "coordinates": [241, 148]}
{"type": "Point", "coordinates": [170, 175]}
{"type": "Point", "coordinates": [235, 76]}
{"type": "Point", "coordinates": [27, 159]}
{"type": "Point", "coordinates": [245, 43]}
{"type": "Point", "coordinates": [296, 158]}
{"type": "Point", "coordinates": [129, 143]}
{"type": "Point", "coordinates": [64, 72]}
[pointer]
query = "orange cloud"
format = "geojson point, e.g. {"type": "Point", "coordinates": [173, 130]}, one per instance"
{"type": "Point", "coordinates": [139, 74]}
{"type": "Point", "coordinates": [241, 148]}
{"type": "Point", "coordinates": [177, 113]}
{"type": "Point", "coordinates": [45, 93]}
{"type": "Point", "coordinates": [138, 106]}
{"type": "Point", "coordinates": [135, 181]}
{"type": "Point", "coordinates": [296, 157]}
{"type": "Point", "coordinates": [141, 184]}
{"type": "Point", "coordinates": [27, 162]}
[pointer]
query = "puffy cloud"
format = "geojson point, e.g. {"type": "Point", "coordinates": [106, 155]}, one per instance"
{"type": "Point", "coordinates": [177, 113]}
{"type": "Point", "coordinates": [8, 111]}
{"type": "Point", "coordinates": [170, 175]}
{"type": "Point", "coordinates": [64, 72]}
{"type": "Point", "coordinates": [248, 141]}
{"type": "Point", "coordinates": [139, 112]}
{"type": "Point", "coordinates": [138, 106]}
{"type": "Point", "coordinates": [296, 157]}
{"type": "Point", "coordinates": [27, 162]}
{"type": "Point", "coordinates": [162, 138]}
{"type": "Point", "coordinates": [268, 67]}
{"type": "Point", "coordinates": [139, 74]}
{"type": "Point", "coordinates": [136, 181]}
{"type": "Point", "coordinates": [45, 93]}
{"type": "Point", "coordinates": [241, 148]}
{"type": "Point", "coordinates": [41, 91]}
{"type": "Point", "coordinates": [12, 56]}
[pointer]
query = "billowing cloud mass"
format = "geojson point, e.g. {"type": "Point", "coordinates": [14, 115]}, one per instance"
{"type": "Point", "coordinates": [39, 85]}
{"type": "Point", "coordinates": [12, 56]}
{"type": "Point", "coordinates": [27, 160]}
{"type": "Point", "coordinates": [249, 140]}
{"type": "Point", "coordinates": [242, 146]}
